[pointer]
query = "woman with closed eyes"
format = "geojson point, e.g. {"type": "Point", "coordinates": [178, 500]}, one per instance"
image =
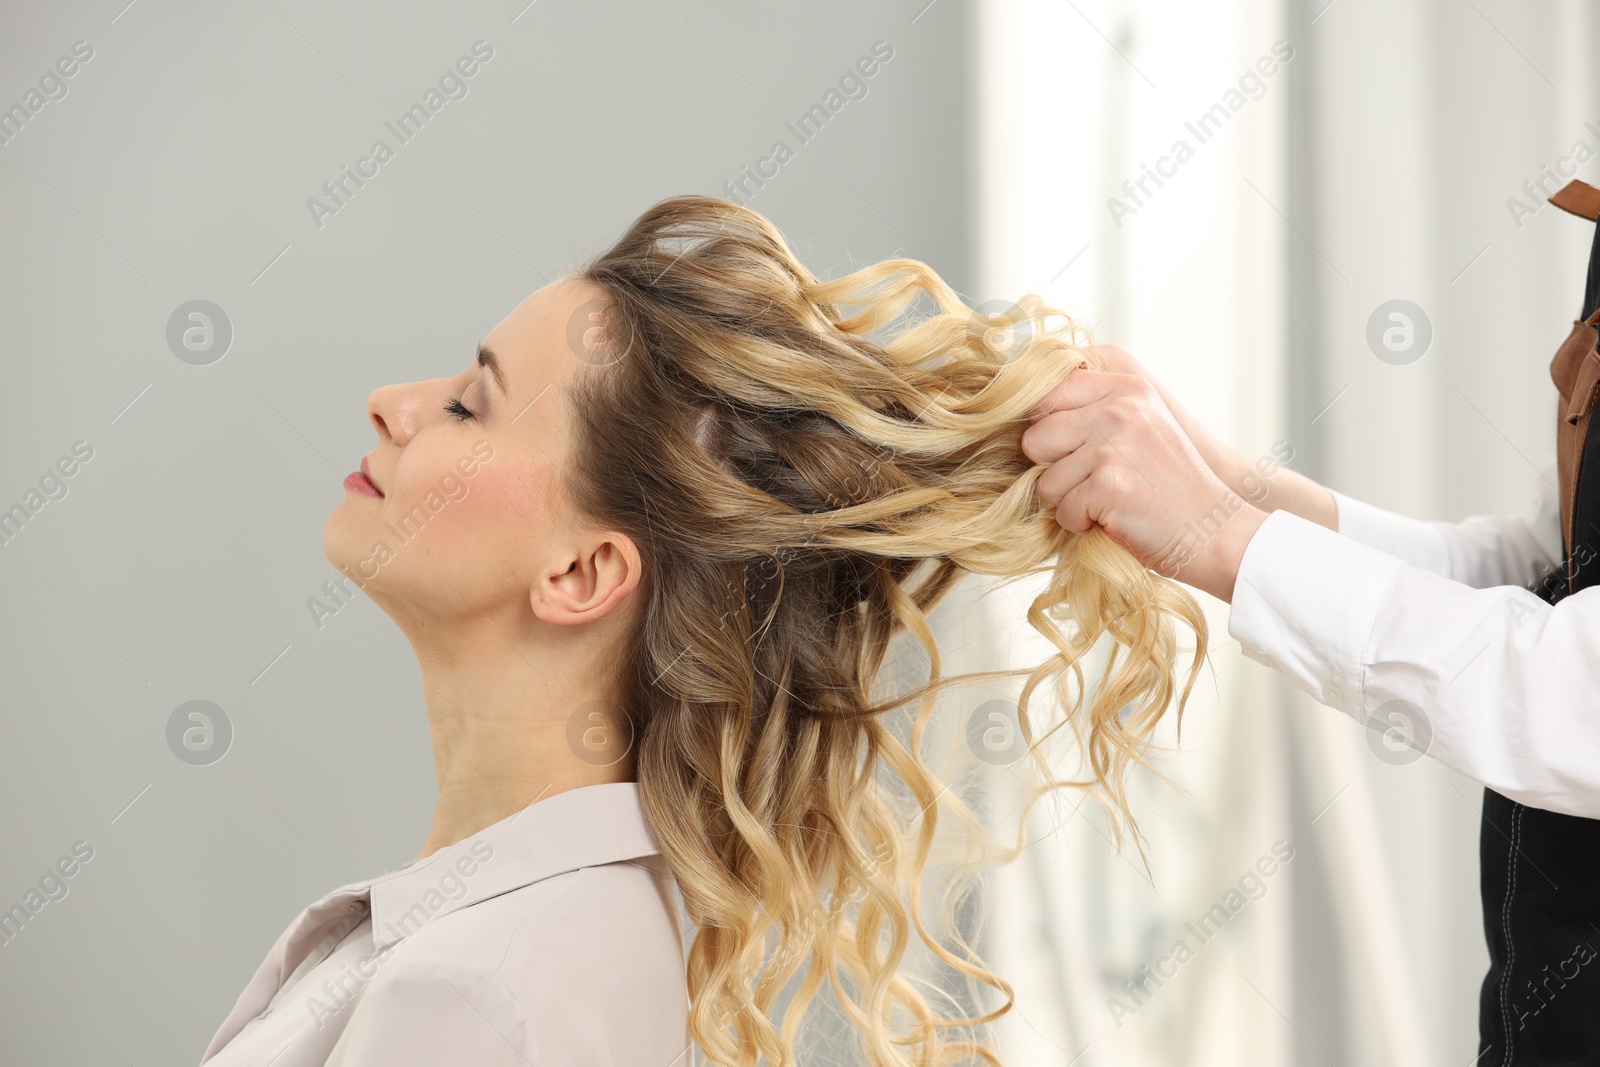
{"type": "Point", "coordinates": [651, 546]}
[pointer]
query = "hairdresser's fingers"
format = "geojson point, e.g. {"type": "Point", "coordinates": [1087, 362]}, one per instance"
{"type": "Point", "coordinates": [1091, 406]}
{"type": "Point", "coordinates": [1083, 487]}
{"type": "Point", "coordinates": [1079, 388]}
{"type": "Point", "coordinates": [1114, 359]}
{"type": "Point", "coordinates": [1057, 434]}
{"type": "Point", "coordinates": [1065, 474]}
{"type": "Point", "coordinates": [1136, 513]}
{"type": "Point", "coordinates": [1071, 414]}
{"type": "Point", "coordinates": [1127, 467]}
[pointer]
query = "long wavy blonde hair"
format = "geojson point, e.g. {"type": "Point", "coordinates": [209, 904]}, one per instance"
{"type": "Point", "coordinates": [806, 468]}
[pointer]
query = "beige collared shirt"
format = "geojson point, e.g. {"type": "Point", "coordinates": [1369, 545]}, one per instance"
{"type": "Point", "coordinates": [549, 938]}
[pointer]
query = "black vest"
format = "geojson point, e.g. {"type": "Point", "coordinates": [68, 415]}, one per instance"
{"type": "Point", "coordinates": [1540, 871]}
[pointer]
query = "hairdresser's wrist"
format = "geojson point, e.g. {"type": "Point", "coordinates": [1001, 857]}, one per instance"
{"type": "Point", "coordinates": [1264, 482]}
{"type": "Point", "coordinates": [1214, 567]}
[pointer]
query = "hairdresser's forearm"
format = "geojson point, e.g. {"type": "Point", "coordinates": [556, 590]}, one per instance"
{"type": "Point", "coordinates": [1282, 490]}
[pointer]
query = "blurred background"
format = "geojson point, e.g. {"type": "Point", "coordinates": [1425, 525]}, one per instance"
{"type": "Point", "coordinates": [1335, 157]}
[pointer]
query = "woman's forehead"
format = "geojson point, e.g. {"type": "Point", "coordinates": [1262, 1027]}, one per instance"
{"type": "Point", "coordinates": [534, 342]}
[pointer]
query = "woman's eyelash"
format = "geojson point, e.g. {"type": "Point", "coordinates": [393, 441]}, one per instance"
{"type": "Point", "coordinates": [456, 408]}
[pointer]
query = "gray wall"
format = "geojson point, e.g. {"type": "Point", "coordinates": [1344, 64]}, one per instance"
{"type": "Point", "coordinates": [179, 563]}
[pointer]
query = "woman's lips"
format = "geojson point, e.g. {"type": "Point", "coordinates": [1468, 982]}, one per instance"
{"type": "Point", "coordinates": [361, 482]}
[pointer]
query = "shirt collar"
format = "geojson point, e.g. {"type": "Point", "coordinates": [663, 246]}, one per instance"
{"type": "Point", "coordinates": [585, 827]}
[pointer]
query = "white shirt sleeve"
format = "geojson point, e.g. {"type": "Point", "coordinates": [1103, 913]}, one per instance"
{"type": "Point", "coordinates": [1481, 551]}
{"type": "Point", "coordinates": [1493, 682]}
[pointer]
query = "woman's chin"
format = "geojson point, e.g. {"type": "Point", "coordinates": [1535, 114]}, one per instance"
{"type": "Point", "coordinates": [338, 542]}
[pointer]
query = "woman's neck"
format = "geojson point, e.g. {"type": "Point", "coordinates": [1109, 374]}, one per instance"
{"type": "Point", "coordinates": [514, 722]}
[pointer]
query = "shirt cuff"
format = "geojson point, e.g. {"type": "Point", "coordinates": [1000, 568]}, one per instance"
{"type": "Point", "coordinates": [1417, 542]}
{"type": "Point", "coordinates": [1304, 604]}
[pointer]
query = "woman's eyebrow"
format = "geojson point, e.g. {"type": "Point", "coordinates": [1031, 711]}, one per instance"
{"type": "Point", "coordinates": [486, 358]}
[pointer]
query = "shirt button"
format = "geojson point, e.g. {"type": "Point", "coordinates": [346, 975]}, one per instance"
{"type": "Point", "coordinates": [1332, 695]}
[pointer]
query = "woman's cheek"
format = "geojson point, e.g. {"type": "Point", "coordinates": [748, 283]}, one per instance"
{"type": "Point", "coordinates": [509, 492]}
{"type": "Point", "coordinates": [492, 510]}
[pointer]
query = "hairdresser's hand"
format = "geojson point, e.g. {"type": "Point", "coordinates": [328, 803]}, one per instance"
{"type": "Point", "coordinates": [1119, 460]}
{"type": "Point", "coordinates": [1265, 482]}
{"type": "Point", "coordinates": [1223, 460]}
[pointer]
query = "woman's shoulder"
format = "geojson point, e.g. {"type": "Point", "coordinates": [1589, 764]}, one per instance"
{"type": "Point", "coordinates": [630, 904]}
{"type": "Point", "coordinates": [591, 955]}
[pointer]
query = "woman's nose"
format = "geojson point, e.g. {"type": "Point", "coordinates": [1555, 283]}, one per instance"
{"type": "Point", "coordinates": [392, 410]}
{"type": "Point", "coordinates": [399, 412]}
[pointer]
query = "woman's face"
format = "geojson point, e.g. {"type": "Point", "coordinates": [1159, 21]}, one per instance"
{"type": "Point", "coordinates": [456, 509]}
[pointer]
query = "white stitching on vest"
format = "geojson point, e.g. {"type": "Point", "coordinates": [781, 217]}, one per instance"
{"type": "Point", "coordinates": [1505, 925]}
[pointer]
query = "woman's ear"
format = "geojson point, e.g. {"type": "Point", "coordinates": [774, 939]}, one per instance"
{"type": "Point", "coordinates": [600, 573]}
